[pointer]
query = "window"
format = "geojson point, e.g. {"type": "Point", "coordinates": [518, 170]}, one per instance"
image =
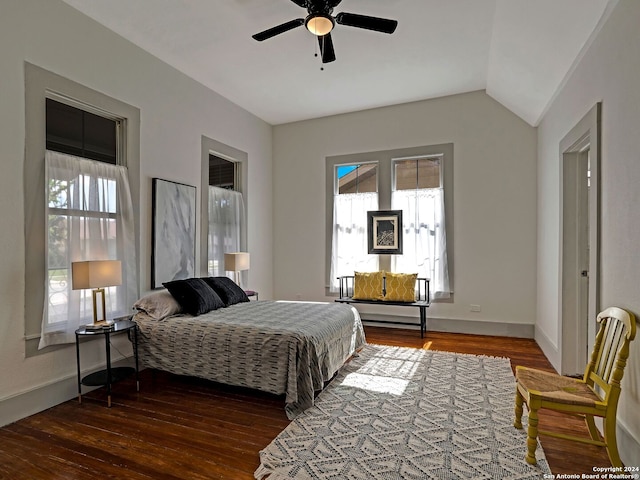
{"type": "Point", "coordinates": [418, 192]}
{"type": "Point", "coordinates": [416, 173]}
{"type": "Point", "coordinates": [89, 216]}
{"type": "Point", "coordinates": [226, 213]}
{"type": "Point", "coordinates": [40, 85]}
{"type": "Point", "coordinates": [222, 173]}
{"type": "Point", "coordinates": [416, 180]}
{"type": "Point", "coordinates": [81, 133]}
{"type": "Point", "coordinates": [355, 193]}
{"type": "Point", "coordinates": [357, 178]}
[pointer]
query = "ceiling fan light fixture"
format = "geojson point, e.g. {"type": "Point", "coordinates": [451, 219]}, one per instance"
{"type": "Point", "coordinates": [319, 24]}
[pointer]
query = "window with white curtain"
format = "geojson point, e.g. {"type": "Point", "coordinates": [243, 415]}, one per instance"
{"type": "Point", "coordinates": [89, 216]}
{"type": "Point", "coordinates": [418, 191]}
{"type": "Point", "coordinates": [69, 118]}
{"type": "Point", "coordinates": [355, 193]}
{"type": "Point", "coordinates": [226, 213]}
{"type": "Point", "coordinates": [226, 220]}
{"type": "Point", "coordinates": [416, 180]}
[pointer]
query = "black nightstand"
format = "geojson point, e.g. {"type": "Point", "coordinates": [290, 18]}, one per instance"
{"type": "Point", "coordinates": [251, 293]}
{"type": "Point", "coordinates": [110, 375]}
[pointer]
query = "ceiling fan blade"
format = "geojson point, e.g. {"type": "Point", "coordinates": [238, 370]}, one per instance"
{"type": "Point", "coordinates": [326, 48]}
{"type": "Point", "coordinates": [317, 5]}
{"type": "Point", "coordinates": [277, 30]}
{"type": "Point", "coordinates": [377, 24]}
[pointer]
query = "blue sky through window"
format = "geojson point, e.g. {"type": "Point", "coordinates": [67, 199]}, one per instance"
{"type": "Point", "coordinates": [344, 169]}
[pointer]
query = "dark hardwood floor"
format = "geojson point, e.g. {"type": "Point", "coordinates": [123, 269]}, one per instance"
{"type": "Point", "coordinates": [183, 428]}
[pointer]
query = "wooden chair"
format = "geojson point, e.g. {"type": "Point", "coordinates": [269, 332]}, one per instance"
{"type": "Point", "coordinates": [594, 395]}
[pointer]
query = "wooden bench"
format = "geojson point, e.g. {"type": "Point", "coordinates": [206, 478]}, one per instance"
{"type": "Point", "coordinates": [423, 300]}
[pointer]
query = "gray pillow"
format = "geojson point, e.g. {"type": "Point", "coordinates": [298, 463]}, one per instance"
{"type": "Point", "coordinates": [158, 305]}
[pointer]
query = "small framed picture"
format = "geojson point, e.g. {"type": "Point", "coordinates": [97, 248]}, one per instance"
{"type": "Point", "coordinates": [384, 229]}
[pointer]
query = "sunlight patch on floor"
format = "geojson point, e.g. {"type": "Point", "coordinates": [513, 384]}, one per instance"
{"type": "Point", "coordinates": [375, 383]}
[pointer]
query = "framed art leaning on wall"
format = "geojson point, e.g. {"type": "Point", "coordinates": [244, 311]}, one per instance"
{"type": "Point", "coordinates": [384, 231]}
{"type": "Point", "coordinates": [173, 233]}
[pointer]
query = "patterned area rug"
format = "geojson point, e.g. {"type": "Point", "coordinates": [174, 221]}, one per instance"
{"type": "Point", "coordinates": [403, 413]}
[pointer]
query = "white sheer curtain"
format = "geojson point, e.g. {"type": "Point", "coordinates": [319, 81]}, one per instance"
{"type": "Point", "coordinates": [424, 241]}
{"type": "Point", "coordinates": [89, 216]}
{"type": "Point", "coordinates": [226, 217]}
{"type": "Point", "coordinates": [349, 246]}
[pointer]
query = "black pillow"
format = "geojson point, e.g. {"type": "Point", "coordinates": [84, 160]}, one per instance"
{"type": "Point", "coordinates": [194, 295]}
{"type": "Point", "coordinates": [227, 289]}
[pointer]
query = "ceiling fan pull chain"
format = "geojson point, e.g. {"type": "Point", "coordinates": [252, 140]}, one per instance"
{"type": "Point", "coordinates": [315, 54]}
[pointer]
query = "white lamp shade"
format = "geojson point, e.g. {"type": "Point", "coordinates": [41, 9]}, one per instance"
{"type": "Point", "coordinates": [236, 261]}
{"type": "Point", "coordinates": [96, 274]}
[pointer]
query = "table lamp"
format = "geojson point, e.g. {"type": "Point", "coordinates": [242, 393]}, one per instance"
{"type": "Point", "coordinates": [96, 274]}
{"type": "Point", "coordinates": [236, 262]}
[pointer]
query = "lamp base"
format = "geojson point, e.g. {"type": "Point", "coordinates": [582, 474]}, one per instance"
{"type": "Point", "coordinates": [103, 313]}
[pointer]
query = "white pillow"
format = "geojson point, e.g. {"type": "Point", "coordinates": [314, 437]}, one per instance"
{"type": "Point", "coordinates": [158, 305]}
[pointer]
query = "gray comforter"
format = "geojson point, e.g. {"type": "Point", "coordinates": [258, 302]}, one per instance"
{"type": "Point", "coordinates": [289, 348]}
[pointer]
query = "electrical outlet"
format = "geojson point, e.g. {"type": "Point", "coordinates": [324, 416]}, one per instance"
{"type": "Point", "coordinates": [474, 308]}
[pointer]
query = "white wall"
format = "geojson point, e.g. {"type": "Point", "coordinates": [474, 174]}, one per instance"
{"type": "Point", "coordinates": [494, 200]}
{"type": "Point", "coordinates": [175, 113]}
{"type": "Point", "coordinates": [608, 72]}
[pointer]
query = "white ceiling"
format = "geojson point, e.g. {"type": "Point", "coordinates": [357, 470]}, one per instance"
{"type": "Point", "coordinates": [519, 51]}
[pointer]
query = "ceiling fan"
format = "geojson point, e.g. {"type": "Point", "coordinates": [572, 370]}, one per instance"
{"type": "Point", "coordinates": [320, 22]}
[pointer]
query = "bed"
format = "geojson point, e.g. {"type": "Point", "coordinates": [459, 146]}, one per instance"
{"type": "Point", "coordinates": [280, 347]}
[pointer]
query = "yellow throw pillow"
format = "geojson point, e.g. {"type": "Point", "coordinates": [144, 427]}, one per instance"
{"type": "Point", "coordinates": [401, 287]}
{"type": "Point", "coordinates": [367, 286]}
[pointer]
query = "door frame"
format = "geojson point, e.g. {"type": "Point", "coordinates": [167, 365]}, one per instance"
{"type": "Point", "coordinates": [574, 332]}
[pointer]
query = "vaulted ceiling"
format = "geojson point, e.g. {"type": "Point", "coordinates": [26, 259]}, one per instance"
{"type": "Point", "coordinates": [519, 51]}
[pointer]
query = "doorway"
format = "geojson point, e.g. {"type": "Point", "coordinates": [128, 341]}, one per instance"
{"type": "Point", "coordinates": [580, 231]}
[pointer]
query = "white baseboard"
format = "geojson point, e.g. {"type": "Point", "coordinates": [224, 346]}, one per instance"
{"type": "Point", "coordinates": [452, 325]}
{"type": "Point", "coordinates": [549, 349]}
{"type": "Point", "coordinates": [29, 403]}
{"type": "Point", "coordinates": [43, 397]}
{"type": "Point", "coordinates": [628, 446]}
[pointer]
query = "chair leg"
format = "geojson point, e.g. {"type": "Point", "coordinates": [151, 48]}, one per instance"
{"type": "Point", "coordinates": [591, 425]}
{"type": "Point", "coordinates": [611, 441]}
{"type": "Point", "coordinates": [518, 409]}
{"type": "Point", "coordinates": [532, 436]}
